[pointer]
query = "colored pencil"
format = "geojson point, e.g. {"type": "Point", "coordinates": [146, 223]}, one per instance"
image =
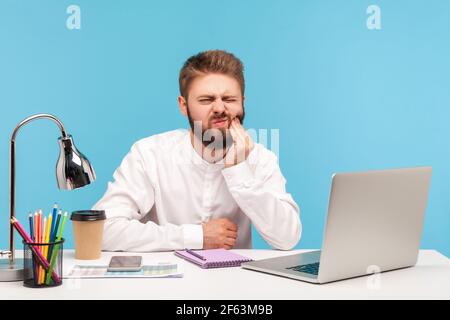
{"type": "Point", "coordinates": [36, 267]}
{"type": "Point", "coordinates": [54, 211]}
{"type": "Point", "coordinates": [54, 233]}
{"type": "Point", "coordinates": [55, 230]}
{"type": "Point", "coordinates": [35, 227]}
{"type": "Point", "coordinates": [30, 219]}
{"type": "Point", "coordinates": [47, 233]}
{"type": "Point", "coordinates": [49, 228]}
{"type": "Point", "coordinates": [47, 240]}
{"type": "Point", "coordinates": [39, 226]}
{"type": "Point", "coordinates": [39, 240]}
{"type": "Point", "coordinates": [44, 235]}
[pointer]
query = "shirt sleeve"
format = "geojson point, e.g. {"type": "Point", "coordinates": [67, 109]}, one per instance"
{"type": "Point", "coordinates": [127, 200]}
{"type": "Point", "coordinates": [260, 192]}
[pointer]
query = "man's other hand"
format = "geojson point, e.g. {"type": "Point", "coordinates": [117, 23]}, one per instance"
{"type": "Point", "coordinates": [219, 233]}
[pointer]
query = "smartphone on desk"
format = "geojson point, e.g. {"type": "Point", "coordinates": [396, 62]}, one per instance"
{"type": "Point", "coordinates": [125, 263]}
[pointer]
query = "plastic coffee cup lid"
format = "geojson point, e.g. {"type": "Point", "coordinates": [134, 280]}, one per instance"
{"type": "Point", "coordinates": [88, 215]}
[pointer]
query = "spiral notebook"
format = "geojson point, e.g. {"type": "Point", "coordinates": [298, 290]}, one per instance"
{"type": "Point", "coordinates": [213, 258]}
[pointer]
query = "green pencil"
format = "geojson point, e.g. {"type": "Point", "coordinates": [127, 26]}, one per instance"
{"type": "Point", "coordinates": [55, 250]}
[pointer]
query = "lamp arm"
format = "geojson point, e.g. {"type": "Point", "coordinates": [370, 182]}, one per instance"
{"type": "Point", "coordinates": [12, 203]}
{"type": "Point", "coordinates": [35, 117]}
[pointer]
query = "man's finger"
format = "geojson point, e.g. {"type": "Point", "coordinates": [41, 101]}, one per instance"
{"type": "Point", "coordinates": [249, 143]}
{"type": "Point", "coordinates": [233, 133]}
{"type": "Point", "coordinates": [230, 156]}
{"type": "Point", "coordinates": [230, 242]}
{"type": "Point", "coordinates": [231, 226]}
{"type": "Point", "coordinates": [231, 234]}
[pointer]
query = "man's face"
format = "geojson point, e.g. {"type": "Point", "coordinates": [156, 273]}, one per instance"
{"type": "Point", "coordinates": [214, 100]}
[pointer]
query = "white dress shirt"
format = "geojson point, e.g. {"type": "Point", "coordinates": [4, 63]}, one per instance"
{"type": "Point", "coordinates": [164, 190]}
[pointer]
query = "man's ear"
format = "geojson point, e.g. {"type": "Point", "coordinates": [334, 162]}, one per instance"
{"type": "Point", "coordinates": [183, 105]}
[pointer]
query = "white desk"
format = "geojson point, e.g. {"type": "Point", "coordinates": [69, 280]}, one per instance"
{"type": "Point", "coordinates": [429, 279]}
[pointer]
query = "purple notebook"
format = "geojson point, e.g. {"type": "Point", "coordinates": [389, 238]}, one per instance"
{"type": "Point", "coordinates": [213, 258]}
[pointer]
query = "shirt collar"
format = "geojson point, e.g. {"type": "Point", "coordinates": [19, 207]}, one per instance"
{"type": "Point", "coordinates": [197, 160]}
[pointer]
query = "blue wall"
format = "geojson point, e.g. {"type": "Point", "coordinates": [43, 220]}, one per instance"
{"type": "Point", "coordinates": [344, 97]}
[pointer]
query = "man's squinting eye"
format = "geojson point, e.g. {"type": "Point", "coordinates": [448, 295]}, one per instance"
{"type": "Point", "coordinates": [211, 100]}
{"type": "Point", "coordinates": [206, 100]}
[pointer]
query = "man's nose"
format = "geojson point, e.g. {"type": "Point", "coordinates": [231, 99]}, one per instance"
{"type": "Point", "coordinates": [218, 106]}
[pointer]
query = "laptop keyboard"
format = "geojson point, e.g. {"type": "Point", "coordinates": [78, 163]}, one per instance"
{"type": "Point", "coordinates": [312, 268]}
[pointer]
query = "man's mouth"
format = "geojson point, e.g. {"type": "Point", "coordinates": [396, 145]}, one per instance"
{"type": "Point", "coordinates": [220, 122]}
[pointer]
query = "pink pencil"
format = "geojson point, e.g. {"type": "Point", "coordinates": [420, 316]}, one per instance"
{"type": "Point", "coordinates": [39, 241]}
{"type": "Point", "coordinates": [35, 234]}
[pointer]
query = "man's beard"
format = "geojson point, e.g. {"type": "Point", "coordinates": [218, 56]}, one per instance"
{"type": "Point", "coordinates": [218, 138]}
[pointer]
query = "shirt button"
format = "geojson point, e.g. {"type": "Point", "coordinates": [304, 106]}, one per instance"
{"type": "Point", "coordinates": [248, 184]}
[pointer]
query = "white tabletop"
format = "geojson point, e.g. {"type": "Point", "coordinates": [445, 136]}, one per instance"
{"type": "Point", "coordinates": [429, 279]}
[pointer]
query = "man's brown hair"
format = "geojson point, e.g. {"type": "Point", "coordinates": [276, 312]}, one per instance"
{"type": "Point", "coordinates": [211, 61]}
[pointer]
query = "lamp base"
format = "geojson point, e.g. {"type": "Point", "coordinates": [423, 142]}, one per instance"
{"type": "Point", "coordinates": [11, 271]}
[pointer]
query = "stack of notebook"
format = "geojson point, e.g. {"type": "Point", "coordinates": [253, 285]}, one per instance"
{"type": "Point", "coordinates": [213, 258]}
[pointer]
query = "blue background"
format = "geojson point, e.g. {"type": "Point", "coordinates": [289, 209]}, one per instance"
{"type": "Point", "coordinates": [345, 98]}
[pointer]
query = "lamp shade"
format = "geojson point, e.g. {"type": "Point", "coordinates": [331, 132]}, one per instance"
{"type": "Point", "coordinates": [73, 169]}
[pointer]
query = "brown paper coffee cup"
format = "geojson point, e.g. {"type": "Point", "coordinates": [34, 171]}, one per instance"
{"type": "Point", "coordinates": [88, 233]}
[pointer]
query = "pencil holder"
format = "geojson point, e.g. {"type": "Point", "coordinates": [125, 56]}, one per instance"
{"type": "Point", "coordinates": [43, 264]}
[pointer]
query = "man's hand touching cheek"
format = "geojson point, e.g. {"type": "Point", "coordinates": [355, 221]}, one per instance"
{"type": "Point", "coordinates": [242, 144]}
{"type": "Point", "coordinates": [219, 233]}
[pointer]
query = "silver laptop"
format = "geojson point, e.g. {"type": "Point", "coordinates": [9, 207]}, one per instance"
{"type": "Point", "coordinates": [374, 223]}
